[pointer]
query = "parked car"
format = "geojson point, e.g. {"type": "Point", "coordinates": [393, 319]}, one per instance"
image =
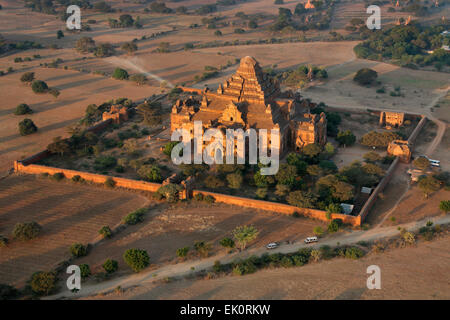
{"type": "Point", "coordinates": [272, 245]}
{"type": "Point", "coordinates": [311, 240]}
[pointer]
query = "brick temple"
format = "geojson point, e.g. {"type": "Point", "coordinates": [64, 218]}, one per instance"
{"type": "Point", "coordinates": [251, 99]}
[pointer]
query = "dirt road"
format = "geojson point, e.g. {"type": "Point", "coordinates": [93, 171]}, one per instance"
{"type": "Point", "coordinates": [186, 268]}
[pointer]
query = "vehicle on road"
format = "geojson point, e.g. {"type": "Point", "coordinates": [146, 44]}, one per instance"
{"type": "Point", "coordinates": [311, 240]}
{"type": "Point", "coordinates": [272, 245]}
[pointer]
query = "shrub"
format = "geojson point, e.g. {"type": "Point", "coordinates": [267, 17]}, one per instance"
{"type": "Point", "coordinates": [182, 252]}
{"type": "Point", "coordinates": [198, 197]}
{"type": "Point", "coordinates": [209, 199]}
{"type": "Point", "coordinates": [120, 74]}
{"type": "Point", "coordinates": [77, 178]}
{"type": "Point", "coordinates": [78, 250]}
{"type": "Point", "coordinates": [39, 86]}
{"type": "Point", "coordinates": [318, 231]}
{"type": "Point", "coordinates": [137, 259]}
{"type": "Point", "coordinates": [27, 77]}
{"type": "Point", "coordinates": [235, 180]}
{"type": "Point", "coordinates": [110, 266]}
{"type": "Point", "coordinates": [365, 76]}
{"type": "Point", "coordinates": [54, 92]}
{"type": "Point", "coordinates": [85, 270]}
{"type": "Point", "coordinates": [244, 235]}
{"type": "Point", "coordinates": [445, 206]}
{"type": "Point", "coordinates": [135, 217]}
{"type": "Point", "coordinates": [105, 231]}
{"type": "Point", "coordinates": [26, 231]}
{"type": "Point", "coordinates": [170, 191]}
{"type": "Point", "coordinates": [421, 163]}
{"type": "Point", "coordinates": [58, 176]}
{"type": "Point", "coordinates": [353, 253]}
{"type": "Point", "coordinates": [334, 225]}
{"type": "Point", "coordinates": [22, 109]}
{"type": "Point", "coordinates": [202, 248]}
{"type": "Point", "coordinates": [227, 243]}
{"type": "Point", "coordinates": [7, 292]}
{"type": "Point", "coordinates": [3, 241]}
{"type": "Point", "coordinates": [43, 283]}
{"type": "Point", "coordinates": [428, 185]}
{"type": "Point", "coordinates": [110, 183]}
{"type": "Point", "coordinates": [26, 127]}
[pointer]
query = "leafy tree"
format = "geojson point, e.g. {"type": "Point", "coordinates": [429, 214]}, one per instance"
{"type": "Point", "coordinates": [379, 139]}
{"type": "Point", "coordinates": [311, 150]}
{"type": "Point", "coordinates": [137, 259]}
{"type": "Point", "coordinates": [261, 193]}
{"type": "Point", "coordinates": [27, 77]}
{"type": "Point", "coordinates": [126, 20]}
{"type": "Point", "coordinates": [372, 157]}
{"type": "Point", "coordinates": [182, 252]}
{"type": "Point", "coordinates": [444, 206]}
{"type": "Point", "coordinates": [39, 86]}
{"type": "Point", "coordinates": [334, 208]}
{"type": "Point", "coordinates": [202, 248]}
{"type": "Point", "coordinates": [213, 182]}
{"type": "Point", "coordinates": [26, 231]}
{"type": "Point", "coordinates": [244, 234]}
{"type": "Point", "coordinates": [428, 185]}
{"type": "Point", "coordinates": [85, 271]}
{"type": "Point", "coordinates": [150, 173]}
{"type": "Point", "coordinates": [105, 231]}
{"type": "Point", "coordinates": [373, 169]}
{"type": "Point", "coordinates": [59, 146]}
{"type": "Point", "coordinates": [85, 45]}
{"type": "Point", "coordinates": [43, 283]}
{"type": "Point", "coordinates": [218, 33]}
{"type": "Point", "coordinates": [318, 231]}
{"type": "Point", "coordinates": [135, 217]}
{"type": "Point", "coordinates": [302, 199]}
{"type": "Point", "coordinates": [140, 80]}
{"type": "Point", "coordinates": [365, 76]}
{"type": "Point", "coordinates": [78, 250]}
{"type": "Point", "coordinates": [235, 180]}
{"type": "Point", "coordinates": [104, 50]}
{"type": "Point", "coordinates": [295, 159]}
{"type": "Point", "coordinates": [346, 138]}
{"type": "Point", "coordinates": [22, 109]}
{"type": "Point", "coordinates": [110, 266]}
{"type": "Point", "coordinates": [421, 163]}
{"type": "Point", "coordinates": [286, 174]}
{"type": "Point", "coordinates": [170, 191]}
{"type": "Point", "coordinates": [120, 74]}
{"type": "Point", "coordinates": [129, 47]}
{"type": "Point", "coordinates": [227, 243]}
{"type": "Point", "coordinates": [334, 225]}
{"type": "Point", "coordinates": [59, 34]}
{"type": "Point", "coordinates": [168, 147]}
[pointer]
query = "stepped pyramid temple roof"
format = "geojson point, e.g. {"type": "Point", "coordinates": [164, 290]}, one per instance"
{"type": "Point", "coordinates": [248, 99]}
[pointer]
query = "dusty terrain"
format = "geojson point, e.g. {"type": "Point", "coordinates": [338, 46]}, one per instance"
{"type": "Point", "coordinates": [165, 230]}
{"type": "Point", "coordinates": [409, 273]}
{"type": "Point", "coordinates": [67, 212]}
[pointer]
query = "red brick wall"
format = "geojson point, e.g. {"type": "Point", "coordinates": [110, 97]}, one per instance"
{"type": "Point", "coordinates": [96, 178]}
{"type": "Point", "coordinates": [279, 207]}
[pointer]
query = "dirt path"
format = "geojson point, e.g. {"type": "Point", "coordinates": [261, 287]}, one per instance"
{"type": "Point", "coordinates": [442, 126]}
{"type": "Point", "coordinates": [186, 268]}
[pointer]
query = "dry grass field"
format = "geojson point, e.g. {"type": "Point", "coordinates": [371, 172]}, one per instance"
{"type": "Point", "coordinates": [165, 230]}
{"type": "Point", "coordinates": [419, 272]}
{"type": "Point", "coordinates": [67, 212]}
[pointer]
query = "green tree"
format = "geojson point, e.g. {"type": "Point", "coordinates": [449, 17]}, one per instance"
{"type": "Point", "coordinates": [27, 77]}
{"type": "Point", "coordinates": [235, 180]}
{"type": "Point", "coordinates": [334, 225]}
{"type": "Point", "coordinates": [85, 271]}
{"type": "Point", "coordinates": [311, 150]}
{"type": "Point", "coordinates": [129, 47]}
{"type": "Point", "coordinates": [150, 173]}
{"type": "Point", "coordinates": [137, 259]}
{"type": "Point", "coordinates": [365, 76]}
{"type": "Point", "coordinates": [78, 250]}
{"type": "Point", "coordinates": [43, 283]}
{"type": "Point", "coordinates": [444, 206]}
{"type": "Point", "coordinates": [39, 86]}
{"type": "Point", "coordinates": [286, 174]}
{"type": "Point", "coordinates": [227, 243]}
{"type": "Point", "coordinates": [59, 146]}
{"type": "Point", "coordinates": [428, 185]}
{"type": "Point", "coordinates": [22, 109]}
{"type": "Point", "coordinates": [202, 248]}
{"type": "Point", "coordinates": [26, 231]}
{"type": "Point", "coordinates": [120, 74]}
{"type": "Point", "coordinates": [346, 138]}
{"type": "Point", "coordinates": [182, 252]}
{"type": "Point", "coordinates": [302, 199]}
{"type": "Point", "coordinates": [372, 156]}
{"type": "Point", "coordinates": [318, 231]}
{"type": "Point", "coordinates": [110, 266]}
{"type": "Point", "coordinates": [85, 45]}
{"type": "Point", "coordinates": [105, 232]}
{"type": "Point", "coordinates": [421, 163]}
{"type": "Point", "coordinates": [244, 235]}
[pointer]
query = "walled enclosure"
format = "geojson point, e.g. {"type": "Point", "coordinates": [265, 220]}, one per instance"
{"type": "Point", "coordinates": [27, 166]}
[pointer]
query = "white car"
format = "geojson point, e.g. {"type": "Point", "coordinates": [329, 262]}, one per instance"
{"type": "Point", "coordinates": [311, 239]}
{"type": "Point", "coordinates": [272, 245]}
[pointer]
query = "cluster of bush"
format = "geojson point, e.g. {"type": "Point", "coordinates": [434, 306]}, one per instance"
{"type": "Point", "coordinates": [408, 45]}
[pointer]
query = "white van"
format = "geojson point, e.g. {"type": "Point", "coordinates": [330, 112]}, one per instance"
{"type": "Point", "coordinates": [272, 245]}
{"type": "Point", "coordinates": [435, 163]}
{"type": "Point", "coordinates": [311, 239]}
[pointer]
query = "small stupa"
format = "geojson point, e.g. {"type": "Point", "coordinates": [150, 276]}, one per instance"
{"type": "Point", "coordinates": [309, 5]}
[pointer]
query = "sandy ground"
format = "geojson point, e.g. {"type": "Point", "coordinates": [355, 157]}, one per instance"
{"type": "Point", "coordinates": [409, 273]}
{"type": "Point", "coordinates": [165, 230]}
{"type": "Point", "coordinates": [67, 212]}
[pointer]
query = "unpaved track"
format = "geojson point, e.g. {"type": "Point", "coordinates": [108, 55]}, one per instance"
{"type": "Point", "coordinates": [185, 268]}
